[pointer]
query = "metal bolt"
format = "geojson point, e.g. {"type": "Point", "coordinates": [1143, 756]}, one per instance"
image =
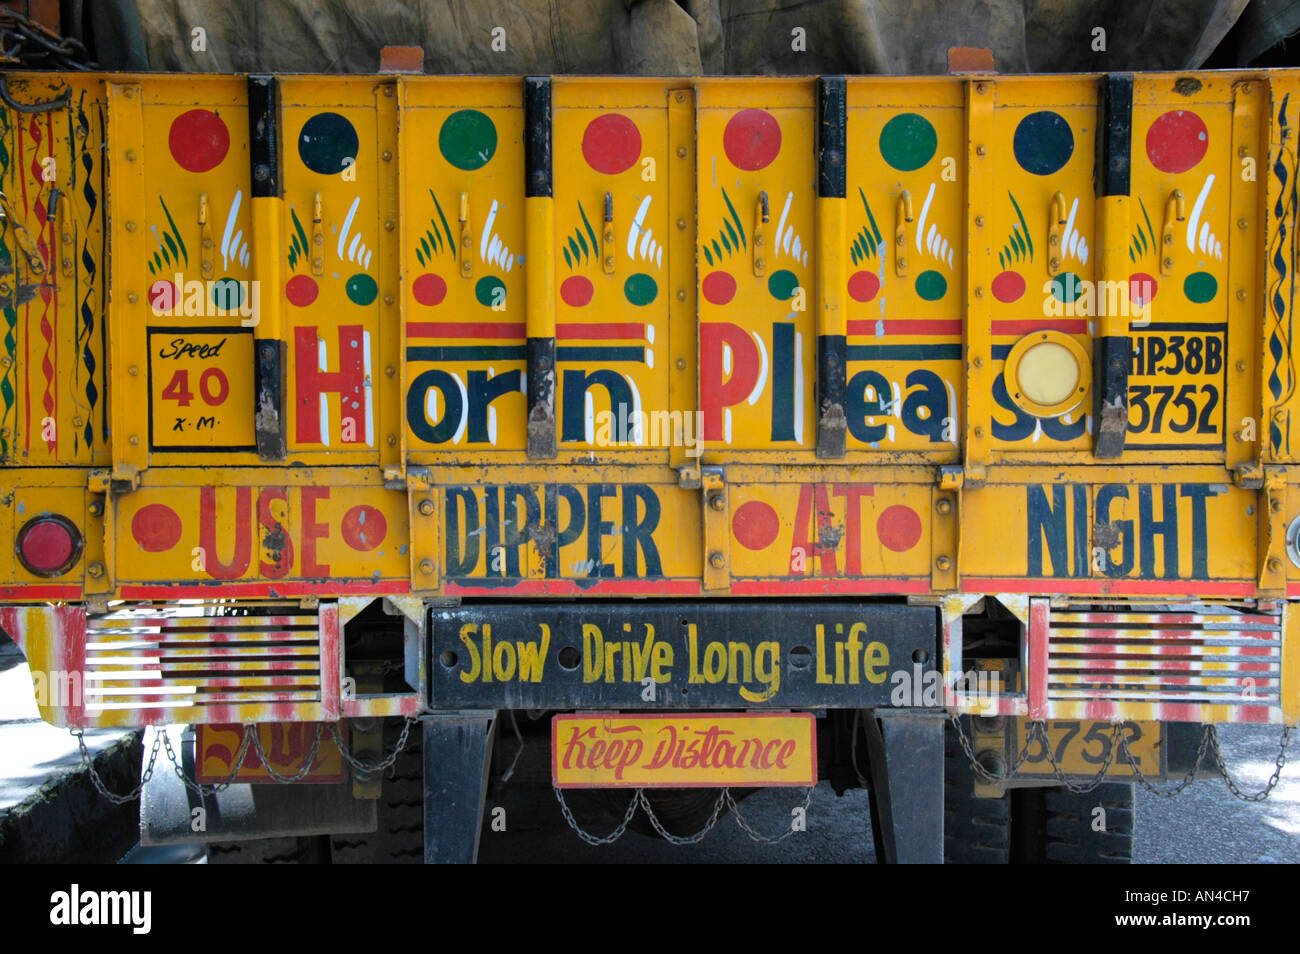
{"type": "Point", "coordinates": [388, 299]}
{"type": "Point", "coordinates": [261, 172]}
{"type": "Point", "coordinates": [1169, 263]}
{"type": "Point", "coordinates": [77, 422]}
{"type": "Point", "coordinates": [980, 150]}
{"type": "Point", "coordinates": [760, 263]}
{"type": "Point", "coordinates": [978, 362]}
{"type": "Point", "coordinates": [387, 156]}
{"type": "Point", "coordinates": [979, 221]}
{"type": "Point", "coordinates": [1275, 505]}
{"type": "Point", "coordinates": [981, 88]}
{"type": "Point", "coordinates": [133, 370]}
{"type": "Point", "coordinates": [426, 567]}
{"type": "Point", "coordinates": [390, 370]}
{"type": "Point", "coordinates": [716, 560]}
{"type": "Point", "coordinates": [979, 291]}
{"type": "Point", "coordinates": [426, 507]}
{"type": "Point", "coordinates": [717, 502]}
{"type": "Point", "coordinates": [943, 563]}
{"type": "Point", "coordinates": [1274, 565]}
{"type": "Point", "coordinates": [1054, 264]}
{"type": "Point", "coordinates": [681, 152]}
{"type": "Point", "coordinates": [681, 294]}
{"type": "Point", "coordinates": [681, 223]}
{"type": "Point", "coordinates": [388, 91]}
{"type": "Point", "coordinates": [96, 570]}
{"type": "Point", "coordinates": [1242, 224]}
{"type": "Point", "coordinates": [133, 440]}
{"type": "Point", "coordinates": [390, 225]}
{"type": "Point", "coordinates": [1169, 239]}
{"type": "Point", "coordinates": [130, 226]}
{"type": "Point", "coordinates": [1241, 365]}
{"type": "Point", "coordinates": [681, 364]}
{"type": "Point", "coordinates": [318, 263]}
{"type": "Point", "coordinates": [392, 440]}
{"type": "Point", "coordinates": [207, 242]}
{"type": "Point", "coordinates": [609, 261]}
{"type": "Point", "coordinates": [902, 263]}
{"type": "Point", "coordinates": [96, 509]}
{"type": "Point", "coordinates": [758, 240]}
{"type": "Point", "coordinates": [132, 297]}
{"type": "Point", "coordinates": [680, 97]}
{"type": "Point", "coordinates": [318, 239]}
{"type": "Point", "coordinates": [979, 432]}
{"type": "Point", "coordinates": [943, 505]}
{"type": "Point", "coordinates": [130, 155]}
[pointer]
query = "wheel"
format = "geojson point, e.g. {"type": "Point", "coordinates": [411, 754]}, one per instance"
{"type": "Point", "coordinates": [1057, 826]}
{"type": "Point", "coordinates": [976, 831]}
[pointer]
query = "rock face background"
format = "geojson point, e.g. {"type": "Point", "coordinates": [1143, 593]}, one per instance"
{"type": "Point", "coordinates": [673, 37]}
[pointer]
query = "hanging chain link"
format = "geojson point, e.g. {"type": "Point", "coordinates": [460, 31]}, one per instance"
{"type": "Point", "coordinates": [683, 839]}
{"type": "Point", "coordinates": [367, 769]}
{"type": "Point", "coordinates": [758, 836]}
{"type": "Point", "coordinates": [98, 782]}
{"type": "Point", "coordinates": [598, 840]}
{"type": "Point", "coordinates": [1033, 735]}
{"type": "Point", "coordinates": [1186, 780]}
{"type": "Point", "coordinates": [1278, 763]}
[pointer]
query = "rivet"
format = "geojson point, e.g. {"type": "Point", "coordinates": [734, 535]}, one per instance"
{"type": "Point", "coordinates": [681, 364]}
{"type": "Point", "coordinates": [388, 91]}
{"type": "Point", "coordinates": [390, 370]}
{"type": "Point", "coordinates": [318, 263]}
{"type": "Point", "coordinates": [681, 152]}
{"type": "Point", "coordinates": [1169, 263]}
{"type": "Point", "coordinates": [979, 291]}
{"type": "Point", "coordinates": [96, 509]}
{"type": "Point", "coordinates": [980, 150]}
{"type": "Point", "coordinates": [130, 226]}
{"type": "Point", "coordinates": [979, 221]}
{"type": "Point", "coordinates": [981, 87]}
{"type": "Point", "coordinates": [133, 370]}
{"type": "Point", "coordinates": [426, 567]}
{"type": "Point", "coordinates": [1275, 505]}
{"type": "Point", "coordinates": [388, 299]}
{"type": "Point", "coordinates": [77, 422]}
{"type": "Point", "coordinates": [1241, 294]}
{"type": "Point", "coordinates": [133, 440]}
{"type": "Point", "coordinates": [943, 563]}
{"type": "Point", "coordinates": [716, 560]}
{"type": "Point", "coordinates": [388, 156]}
{"type": "Point", "coordinates": [681, 294]}
{"type": "Point", "coordinates": [1169, 240]}
{"type": "Point", "coordinates": [1241, 365]}
{"type": "Point", "coordinates": [95, 569]}
{"type": "Point", "coordinates": [943, 505]}
{"type": "Point", "coordinates": [760, 263]}
{"type": "Point", "coordinates": [130, 155]}
{"type": "Point", "coordinates": [392, 440]}
{"type": "Point", "coordinates": [426, 507]}
{"type": "Point", "coordinates": [1274, 565]}
{"type": "Point", "coordinates": [390, 225]}
{"type": "Point", "coordinates": [978, 362]}
{"type": "Point", "coordinates": [609, 262]}
{"type": "Point", "coordinates": [681, 223]}
{"type": "Point", "coordinates": [318, 239]}
{"type": "Point", "coordinates": [680, 97]}
{"type": "Point", "coordinates": [1242, 223]}
{"type": "Point", "coordinates": [716, 502]}
{"type": "Point", "coordinates": [979, 432]}
{"type": "Point", "coordinates": [132, 297]}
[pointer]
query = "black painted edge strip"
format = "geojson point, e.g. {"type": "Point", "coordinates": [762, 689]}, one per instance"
{"type": "Point", "coordinates": [541, 398]}
{"type": "Point", "coordinates": [832, 391]}
{"type": "Point", "coordinates": [268, 399]}
{"type": "Point", "coordinates": [537, 137]}
{"type": "Point", "coordinates": [1115, 139]}
{"type": "Point", "coordinates": [264, 147]}
{"type": "Point", "coordinates": [1111, 358]}
{"type": "Point", "coordinates": [832, 137]}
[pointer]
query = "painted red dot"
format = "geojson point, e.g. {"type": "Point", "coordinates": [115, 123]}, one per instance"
{"type": "Point", "coordinates": [611, 144]}
{"type": "Point", "coordinates": [162, 295]}
{"type": "Point", "coordinates": [364, 527]}
{"type": "Point", "coordinates": [752, 139]}
{"type": "Point", "coordinates": [156, 528]}
{"type": "Point", "coordinates": [864, 286]}
{"type": "Point", "coordinates": [899, 528]}
{"type": "Point", "coordinates": [576, 290]}
{"type": "Point", "coordinates": [199, 140]}
{"type": "Point", "coordinates": [718, 288]}
{"type": "Point", "coordinates": [1008, 287]}
{"type": "Point", "coordinates": [755, 525]}
{"type": "Point", "coordinates": [301, 290]}
{"type": "Point", "coordinates": [1141, 288]}
{"type": "Point", "coordinates": [429, 289]}
{"type": "Point", "coordinates": [1177, 141]}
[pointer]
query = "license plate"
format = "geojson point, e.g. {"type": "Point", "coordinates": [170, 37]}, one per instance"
{"type": "Point", "coordinates": [1082, 747]}
{"type": "Point", "coordinates": [286, 744]}
{"type": "Point", "coordinates": [684, 750]}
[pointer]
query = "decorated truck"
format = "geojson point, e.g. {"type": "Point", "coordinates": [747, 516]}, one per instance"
{"type": "Point", "coordinates": [926, 434]}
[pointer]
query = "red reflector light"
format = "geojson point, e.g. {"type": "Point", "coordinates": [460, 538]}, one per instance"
{"type": "Point", "coordinates": [49, 545]}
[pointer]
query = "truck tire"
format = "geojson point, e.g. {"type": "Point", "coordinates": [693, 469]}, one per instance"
{"type": "Point", "coordinates": [399, 837]}
{"type": "Point", "coordinates": [266, 851]}
{"type": "Point", "coordinates": [976, 831]}
{"type": "Point", "coordinates": [1055, 825]}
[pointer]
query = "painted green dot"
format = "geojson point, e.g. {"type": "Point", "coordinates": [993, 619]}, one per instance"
{"type": "Point", "coordinates": [490, 291]}
{"type": "Point", "coordinates": [782, 284]}
{"type": "Point", "coordinates": [1067, 287]}
{"type": "Point", "coordinates": [931, 286]}
{"type": "Point", "coordinates": [361, 289]}
{"type": "Point", "coordinates": [908, 142]}
{"type": "Point", "coordinates": [1200, 287]}
{"type": "Point", "coordinates": [640, 289]}
{"type": "Point", "coordinates": [227, 294]}
{"type": "Point", "coordinates": [468, 139]}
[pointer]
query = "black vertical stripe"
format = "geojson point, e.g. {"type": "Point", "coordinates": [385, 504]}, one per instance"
{"type": "Point", "coordinates": [832, 137]}
{"type": "Point", "coordinates": [537, 137]}
{"type": "Point", "coordinates": [264, 146]}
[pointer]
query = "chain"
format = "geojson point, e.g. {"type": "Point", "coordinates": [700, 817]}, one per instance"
{"type": "Point", "coordinates": [756, 836]}
{"type": "Point", "coordinates": [367, 769]}
{"type": "Point", "coordinates": [597, 840]}
{"type": "Point", "coordinates": [1278, 763]}
{"type": "Point", "coordinates": [1035, 732]}
{"type": "Point", "coordinates": [1186, 780]}
{"type": "Point", "coordinates": [307, 762]}
{"type": "Point", "coordinates": [1116, 738]}
{"type": "Point", "coordinates": [208, 790]}
{"type": "Point", "coordinates": [98, 782]}
{"type": "Point", "coordinates": [679, 839]}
